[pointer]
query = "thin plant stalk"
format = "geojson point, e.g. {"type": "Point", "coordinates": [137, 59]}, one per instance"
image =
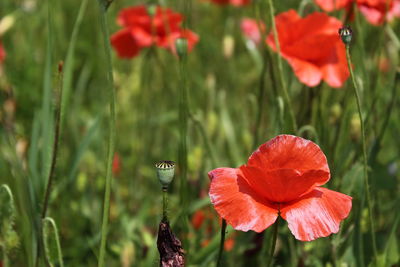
{"type": "Point", "coordinates": [183, 129]}
{"type": "Point", "coordinates": [165, 205]}
{"type": "Point", "coordinates": [280, 67]}
{"type": "Point", "coordinates": [364, 149]}
{"type": "Point", "coordinates": [261, 83]}
{"type": "Point", "coordinates": [273, 243]}
{"type": "Point", "coordinates": [221, 243]}
{"type": "Point", "coordinates": [103, 4]}
{"type": "Point", "coordinates": [214, 163]}
{"type": "Point", "coordinates": [50, 178]}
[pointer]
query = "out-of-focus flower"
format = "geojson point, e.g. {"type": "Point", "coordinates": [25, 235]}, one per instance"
{"type": "Point", "coordinates": [375, 11]}
{"type": "Point", "coordinates": [312, 47]}
{"type": "Point", "coordinates": [116, 165]}
{"type": "Point", "coordinates": [282, 177]}
{"type": "Point", "coordinates": [231, 2]}
{"type": "Point", "coordinates": [2, 53]}
{"type": "Point", "coordinates": [331, 5]}
{"type": "Point", "coordinates": [142, 28]}
{"type": "Point", "coordinates": [250, 29]}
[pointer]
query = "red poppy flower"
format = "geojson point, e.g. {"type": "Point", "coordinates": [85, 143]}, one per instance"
{"type": "Point", "coordinates": [231, 2]}
{"type": "Point", "coordinates": [312, 47]}
{"type": "Point", "coordinates": [2, 53]}
{"type": "Point", "coordinates": [142, 29]}
{"type": "Point", "coordinates": [283, 176]}
{"type": "Point", "coordinates": [374, 11]}
{"type": "Point", "coordinates": [250, 29]}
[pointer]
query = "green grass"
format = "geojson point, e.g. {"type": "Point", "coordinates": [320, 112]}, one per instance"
{"type": "Point", "coordinates": [224, 125]}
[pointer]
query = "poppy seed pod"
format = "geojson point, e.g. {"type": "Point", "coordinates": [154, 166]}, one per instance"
{"type": "Point", "coordinates": [181, 45]}
{"type": "Point", "coordinates": [346, 34]}
{"type": "Point", "coordinates": [165, 172]}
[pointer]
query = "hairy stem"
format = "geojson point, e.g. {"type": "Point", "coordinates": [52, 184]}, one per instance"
{"type": "Point", "coordinates": [364, 149]}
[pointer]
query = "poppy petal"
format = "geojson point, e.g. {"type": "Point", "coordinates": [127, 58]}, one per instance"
{"type": "Point", "coordinates": [289, 152]}
{"type": "Point", "coordinates": [124, 44]}
{"type": "Point", "coordinates": [317, 214]}
{"type": "Point", "coordinates": [142, 36]}
{"type": "Point", "coordinates": [283, 185]}
{"type": "Point", "coordinates": [372, 15]}
{"type": "Point", "coordinates": [330, 5]}
{"type": "Point", "coordinates": [335, 72]}
{"type": "Point", "coordinates": [237, 203]}
{"type": "Point", "coordinates": [134, 16]}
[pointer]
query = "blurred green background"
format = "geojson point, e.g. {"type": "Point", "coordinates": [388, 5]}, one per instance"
{"type": "Point", "coordinates": [223, 88]}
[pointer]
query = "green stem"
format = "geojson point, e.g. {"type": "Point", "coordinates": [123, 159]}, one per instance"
{"type": "Point", "coordinates": [261, 83]}
{"type": "Point", "coordinates": [165, 204]}
{"type": "Point", "coordinates": [273, 243]}
{"type": "Point", "coordinates": [183, 128]}
{"type": "Point", "coordinates": [111, 140]}
{"type": "Point", "coordinates": [221, 243]}
{"type": "Point", "coordinates": [280, 67]}
{"type": "Point", "coordinates": [364, 149]}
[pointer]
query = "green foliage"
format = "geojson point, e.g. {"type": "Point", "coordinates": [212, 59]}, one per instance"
{"type": "Point", "coordinates": [223, 105]}
{"type": "Point", "coordinates": [52, 243]}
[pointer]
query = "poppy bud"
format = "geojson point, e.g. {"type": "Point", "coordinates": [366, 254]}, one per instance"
{"type": "Point", "coordinates": [165, 172]}
{"type": "Point", "coordinates": [346, 34]}
{"type": "Point", "coordinates": [151, 9]}
{"type": "Point", "coordinates": [181, 45]}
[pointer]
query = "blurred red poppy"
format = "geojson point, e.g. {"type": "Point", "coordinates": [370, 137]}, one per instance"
{"type": "Point", "coordinates": [250, 29]}
{"type": "Point", "coordinates": [116, 164]}
{"type": "Point", "coordinates": [283, 176]}
{"type": "Point", "coordinates": [141, 29]}
{"type": "Point", "coordinates": [232, 2]}
{"type": "Point", "coordinates": [2, 53]}
{"type": "Point", "coordinates": [312, 47]}
{"type": "Point", "coordinates": [374, 11]}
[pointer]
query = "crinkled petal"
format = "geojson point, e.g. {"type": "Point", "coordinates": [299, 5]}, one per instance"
{"type": "Point", "coordinates": [289, 152]}
{"type": "Point", "coordinates": [237, 203]}
{"type": "Point", "coordinates": [283, 185]}
{"type": "Point", "coordinates": [317, 214]}
{"type": "Point", "coordinates": [124, 44]}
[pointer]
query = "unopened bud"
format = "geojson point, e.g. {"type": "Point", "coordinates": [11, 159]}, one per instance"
{"type": "Point", "coordinates": [151, 9]}
{"type": "Point", "coordinates": [165, 172]}
{"type": "Point", "coordinates": [346, 34]}
{"type": "Point", "coordinates": [181, 45]}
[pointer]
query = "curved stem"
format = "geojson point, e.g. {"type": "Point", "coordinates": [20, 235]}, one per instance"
{"type": "Point", "coordinates": [280, 67]}
{"type": "Point", "coordinates": [221, 244]}
{"type": "Point", "coordinates": [111, 139]}
{"type": "Point", "coordinates": [364, 149]}
{"type": "Point", "coordinates": [273, 243]}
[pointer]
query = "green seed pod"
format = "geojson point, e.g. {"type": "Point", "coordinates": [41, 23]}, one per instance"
{"type": "Point", "coordinates": [181, 45]}
{"type": "Point", "coordinates": [346, 34]}
{"type": "Point", "coordinates": [165, 172]}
